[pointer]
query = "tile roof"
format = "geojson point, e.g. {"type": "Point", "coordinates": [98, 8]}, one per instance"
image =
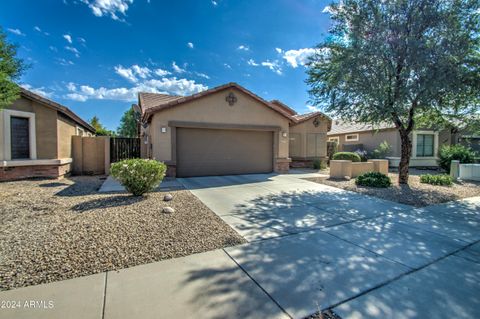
{"type": "Point", "coordinates": [149, 100]}
{"type": "Point", "coordinates": [343, 127]}
{"type": "Point", "coordinates": [165, 102]}
{"type": "Point", "coordinates": [60, 108]}
{"type": "Point", "coordinates": [285, 107]}
{"type": "Point", "coordinates": [154, 102]}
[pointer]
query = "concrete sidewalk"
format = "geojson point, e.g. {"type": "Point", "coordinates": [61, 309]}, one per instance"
{"type": "Point", "coordinates": [311, 247]}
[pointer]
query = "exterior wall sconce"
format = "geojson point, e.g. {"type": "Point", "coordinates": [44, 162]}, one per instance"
{"type": "Point", "coordinates": [284, 134]}
{"type": "Point", "coordinates": [163, 130]}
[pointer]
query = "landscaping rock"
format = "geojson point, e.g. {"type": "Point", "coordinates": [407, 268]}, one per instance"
{"type": "Point", "coordinates": [56, 231]}
{"type": "Point", "coordinates": [168, 197]}
{"type": "Point", "coordinates": [168, 210]}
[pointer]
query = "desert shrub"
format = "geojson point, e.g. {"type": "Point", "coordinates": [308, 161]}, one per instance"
{"type": "Point", "coordinates": [444, 180]}
{"type": "Point", "coordinates": [373, 179]}
{"type": "Point", "coordinates": [455, 152]}
{"type": "Point", "coordinates": [354, 157]}
{"type": "Point", "coordinates": [139, 176]}
{"type": "Point", "coordinates": [363, 154]}
{"type": "Point", "coordinates": [319, 164]}
{"type": "Point", "coordinates": [383, 150]}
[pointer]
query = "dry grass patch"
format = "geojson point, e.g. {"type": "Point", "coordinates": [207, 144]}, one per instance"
{"type": "Point", "coordinates": [416, 194]}
{"type": "Point", "coordinates": [55, 230]}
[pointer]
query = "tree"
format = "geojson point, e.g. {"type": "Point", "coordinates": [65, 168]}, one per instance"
{"type": "Point", "coordinates": [396, 60]}
{"type": "Point", "coordinates": [11, 68]}
{"type": "Point", "coordinates": [99, 128]}
{"type": "Point", "coordinates": [128, 124]}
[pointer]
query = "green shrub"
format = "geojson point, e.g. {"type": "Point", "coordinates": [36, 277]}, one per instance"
{"type": "Point", "coordinates": [354, 157]}
{"type": "Point", "coordinates": [319, 164]}
{"type": "Point", "coordinates": [383, 150]}
{"type": "Point", "coordinates": [363, 155]}
{"type": "Point", "coordinates": [373, 179]}
{"type": "Point", "coordinates": [139, 176]}
{"type": "Point", "coordinates": [444, 180]}
{"type": "Point", "coordinates": [455, 152]}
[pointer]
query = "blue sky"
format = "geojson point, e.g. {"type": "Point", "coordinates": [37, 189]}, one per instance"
{"type": "Point", "coordinates": [95, 55]}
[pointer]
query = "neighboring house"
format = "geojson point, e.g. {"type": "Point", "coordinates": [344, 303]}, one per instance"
{"type": "Point", "coordinates": [36, 137]}
{"type": "Point", "coordinates": [353, 136]}
{"type": "Point", "coordinates": [226, 130]}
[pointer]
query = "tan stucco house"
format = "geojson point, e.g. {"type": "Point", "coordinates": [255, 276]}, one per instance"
{"type": "Point", "coordinates": [352, 136]}
{"type": "Point", "coordinates": [36, 137]}
{"type": "Point", "coordinates": [227, 130]}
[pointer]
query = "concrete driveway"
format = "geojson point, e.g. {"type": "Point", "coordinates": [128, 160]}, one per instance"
{"type": "Point", "coordinates": [314, 247]}
{"type": "Point", "coordinates": [310, 247]}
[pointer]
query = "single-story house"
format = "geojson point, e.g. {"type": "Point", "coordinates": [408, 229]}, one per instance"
{"type": "Point", "coordinates": [227, 130]}
{"type": "Point", "coordinates": [353, 136]}
{"type": "Point", "coordinates": [36, 137]}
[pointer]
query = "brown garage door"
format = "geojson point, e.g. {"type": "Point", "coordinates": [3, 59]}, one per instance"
{"type": "Point", "coordinates": [203, 152]}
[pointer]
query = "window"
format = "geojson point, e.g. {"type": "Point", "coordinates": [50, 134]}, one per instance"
{"type": "Point", "coordinates": [334, 139]}
{"type": "Point", "coordinates": [425, 145]}
{"type": "Point", "coordinates": [351, 137]}
{"type": "Point", "coordinates": [19, 137]}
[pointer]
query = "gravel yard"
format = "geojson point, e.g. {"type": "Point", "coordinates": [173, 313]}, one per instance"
{"type": "Point", "coordinates": [416, 194]}
{"type": "Point", "coordinates": [56, 230]}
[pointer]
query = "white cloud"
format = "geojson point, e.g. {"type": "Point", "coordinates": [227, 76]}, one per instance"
{"type": "Point", "coordinates": [37, 28]}
{"type": "Point", "coordinates": [164, 85]}
{"type": "Point", "coordinates": [328, 9]}
{"type": "Point", "coordinates": [278, 50]}
{"type": "Point", "coordinates": [243, 47]}
{"type": "Point", "coordinates": [126, 73]}
{"type": "Point", "coordinates": [71, 86]}
{"type": "Point", "coordinates": [202, 75]}
{"type": "Point", "coordinates": [161, 72]}
{"type": "Point", "coordinates": [110, 8]}
{"type": "Point", "coordinates": [227, 65]}
{"type": "Point", "coordinates": [68, 37]}
{"type": "Point", "coordinates": [312, 108]}
{"type": "Point", "coordinates": [190, 45]}
{"type": "Point", "coordinates": [16, 31]}
{"type": "Point", "coordinates": [73, 50]}
{"type": "Point", "coordinates": [40, 90]}
{"type": "Point", "coordinates": [215, 3]}
{"type": "Point", "coordinates": [76, 97]}
{"type": "Point", "coordinates": [176, 68]}
{"type": "Point", "coordinates": [82, 41]}
{"type": "Point", "coordinates": [64, 62]}
{"type": "Point", "coordinates": [274, 66]}
{"type": "Point", "coordinates": [53, 48]}
{"type": "Point", "coordinates": [142, 72]}
{"type": "Point", "coordinates": [298, 57]}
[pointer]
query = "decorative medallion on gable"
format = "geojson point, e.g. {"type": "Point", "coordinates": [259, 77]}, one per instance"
{"type": "Point", "coordinates": [231, 99]}
{"type": "Point", "coordinates": [316, 122]}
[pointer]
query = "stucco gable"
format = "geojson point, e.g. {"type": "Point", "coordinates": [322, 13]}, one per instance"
{"type": "Point", "coordinates": [148, 112]}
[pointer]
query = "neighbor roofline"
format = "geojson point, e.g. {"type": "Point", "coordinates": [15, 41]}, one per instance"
{"type": "Point", "coordinates": [363, 131]}
{"type": "Point", "coordinates": [57, 106]}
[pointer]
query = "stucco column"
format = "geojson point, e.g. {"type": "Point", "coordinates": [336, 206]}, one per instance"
{"type": "Point", "coordinates": [455, 169]}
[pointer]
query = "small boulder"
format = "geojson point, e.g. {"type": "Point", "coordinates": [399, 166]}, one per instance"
{"type": "Point", "coordinates": [168, 210]}
{"type": "Point", "coordinates": [167, 197]}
